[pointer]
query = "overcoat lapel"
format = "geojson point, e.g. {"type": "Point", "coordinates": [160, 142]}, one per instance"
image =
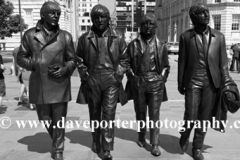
{"type": "Point", "coordinates": [111, 37]}
{"type": "Point", "coordinates": [193, 49]}
{"type": "Point", "coordinates": [139, 51]}
{"type": "Point", "coordinates": [39, 37]}
{"type": "Point", "coordinates": [92, 39]}
{"type": "Point", "coordinates": [212, 41]}
{"type": "Point", "coordinates": [53, 38]}
{"type": "Point", "coordinates": [94, 42]}
{"type": "Point", "coordinates": [158, 53]}
{"type": "Point", "coordinates": [110, 46]}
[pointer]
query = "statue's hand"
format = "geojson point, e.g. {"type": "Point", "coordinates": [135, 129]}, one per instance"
{"type": "Point", "coordinates": [57, 71]}
{"type": "Point", "coordinates": [181, 90]}
{"type": "Point", "coordinates": [230, 96]}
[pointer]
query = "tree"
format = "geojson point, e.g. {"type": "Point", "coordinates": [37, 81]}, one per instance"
{"type": "Point", "coordinates": [9, 23]}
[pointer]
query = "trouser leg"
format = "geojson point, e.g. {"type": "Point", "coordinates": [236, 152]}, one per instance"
{"type": "Point", "coordinates": [192, 102]}
{"type": "Point", "coordinates": [154, 100]}
{"type": "Point", "coordinates": [54, 114]}
{"type": "Point", "coordinates": [140, 107]}
{"type": "Point", "coordinates": [204, 114]}
{"type": "Point", "coordinates": [94, 105]}
{"type": "Point", "coordinates": [109, 104]}
{"type": "Point", "coordinates": [44, 113]}
{"type": "Point", "coordinates": [59, 111]}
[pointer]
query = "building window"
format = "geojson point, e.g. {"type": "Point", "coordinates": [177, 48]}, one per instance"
{"type": "Point", "coordinates": [83, 21]}
{"type": "Point", "coordinates": [28, 17]}
{"type": "Point", "coordinates": [186, 22]}
{"type": "Point", "coordinates": [235, 21]}
{"type": "Point", "coordinates": [236, 0]}
{"type": "Point", "coordinates": [162, 30]}
{"type": "Point", "coordinates": [88, 20]}
{"type": "Point", "coordinates": [217, 1]}
{"type": "Point", "coordinates": [181, 26]}
{"type": "Point", "coordinates": [83, 28]}
{"type": "Point", "coordinates": [217, 22]}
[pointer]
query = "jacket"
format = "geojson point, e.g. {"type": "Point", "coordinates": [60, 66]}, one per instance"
{"type": "Point", "coordinates": [135, 52]}
{"type": "Point", "coordinates": [217, 62]}
{"type": "Point", "coordinates": [44, 89]}
{"type": "Point", "coordinates": [87, 55]}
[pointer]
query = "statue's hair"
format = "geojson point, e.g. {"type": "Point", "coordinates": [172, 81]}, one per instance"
{"type": "Point", "coordinates": [99, 9]}
{"type": "Point", "coordinates": [196, 9]}
{"type": "Point", "coordinates": [49, 6]}
{"type": "Point", "coordinates": [148, 17]}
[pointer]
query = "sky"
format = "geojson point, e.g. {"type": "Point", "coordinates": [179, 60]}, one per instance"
{"type": "Point", "coordinates": [109, 4]}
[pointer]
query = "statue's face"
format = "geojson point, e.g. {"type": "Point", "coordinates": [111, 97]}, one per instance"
{"type": "Point", "coordinates": [51, 17]}
{"type": "Point", "coordinates": [149, 27]}
{"type": "Point", "coordinates": [50, 13]}
{"type": "Point", "coordinates": [100, 21]}
{"type": "Point", "coordinates": [202, 18]}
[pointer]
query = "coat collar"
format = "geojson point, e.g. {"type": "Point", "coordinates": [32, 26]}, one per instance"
{"type": "Point", "coordinates": [142, 41]}
{"type": "Point", "coordinates": [109, 33]}
{"type": "Point", "coordinates": [38, 35]}
{"type": "Point", "coordinates": [39, 26]}
{"type": "Point", "coordinates": [139, 37]}
{"type": "Point", "coordinates": [212, 32]}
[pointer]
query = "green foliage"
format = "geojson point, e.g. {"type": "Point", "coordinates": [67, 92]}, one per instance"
{"type": "Point", "coordinates": [9, 23]}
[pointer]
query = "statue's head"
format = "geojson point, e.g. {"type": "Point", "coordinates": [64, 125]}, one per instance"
{"type": "Point", "coordinates": [50, 13]}
{"type": "Point", "coordinates": [148, 25]}
{"type": "Point", "coordinates": [199, 14]}
{"type": "Point", "coordinates": [100, 17]}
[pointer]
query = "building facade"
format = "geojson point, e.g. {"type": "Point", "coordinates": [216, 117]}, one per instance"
{"type": "Point", "coordinates": [85, 7]}
{"type": "Point", "coordinates": [173, 18]}
{"type": "Point", "coordinates": [128, 21]}
{"type": "Point", "coordinates": [30, 12]}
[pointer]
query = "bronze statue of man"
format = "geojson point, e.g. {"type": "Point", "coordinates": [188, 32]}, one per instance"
{"type": "Point", "coordinates": [101, 70]}
{"type": "Point", "coordinates": [48, 52]}
{"type": "Point", "coordinates": [202, 68]}
{"type": "Point", "coordinates": [149, 69]}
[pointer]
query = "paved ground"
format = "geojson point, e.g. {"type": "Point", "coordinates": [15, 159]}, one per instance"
{"type": "Point", "coordinates": [29, 144]}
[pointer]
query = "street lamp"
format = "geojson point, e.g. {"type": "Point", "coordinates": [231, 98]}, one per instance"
{"type": "Point", "coordinates": [20, 22]}
{"type": "Point", "coordinates": [170, 19]}
{"type": "Point", "coordinates": [132, 15]}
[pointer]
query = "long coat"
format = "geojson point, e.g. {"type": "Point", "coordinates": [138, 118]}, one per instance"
{"type": "Point", "coordinates": [216, 57]}
{"type": "Point", "coordinates": [88, 54]}
{"type": "Point", "coordinates": [44, 89]}
{"type": "Point", "coordinates": [223, 105]}
{"type": "Point", "coordinates": [135, 52]}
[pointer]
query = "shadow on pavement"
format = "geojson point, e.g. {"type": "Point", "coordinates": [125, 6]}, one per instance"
{"type": "Point", "coordinates": [131, 135]}
{"type": "Point", "coordinates": [40, 143]}
{"type": "Point", "coordinates": [81, 137]}
{"type": "Point", "coordinates": [189, 150]}
{"type": "Point", "coordinates": [167, 142]}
